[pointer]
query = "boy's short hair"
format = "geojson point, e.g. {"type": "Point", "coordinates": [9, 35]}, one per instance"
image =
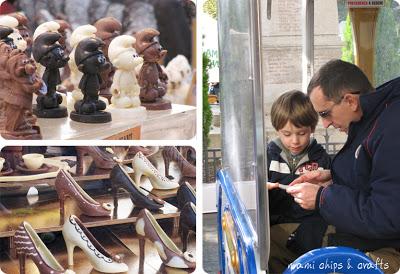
{"type": "Point", "coordinates": [296, 107]}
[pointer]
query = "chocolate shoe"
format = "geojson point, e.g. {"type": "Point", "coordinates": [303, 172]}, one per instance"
{"type": "Point", "coordinates": [121, 179]}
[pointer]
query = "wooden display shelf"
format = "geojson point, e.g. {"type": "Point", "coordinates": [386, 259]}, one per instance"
{"type": "Point", "coordinates": [176, 123]}
{"type": "Point", "coordinates": [91, 173]}
{"type": "Point", "coordinates": [124, 244]}
{"type": "Point", "coordinates": [44, 214]}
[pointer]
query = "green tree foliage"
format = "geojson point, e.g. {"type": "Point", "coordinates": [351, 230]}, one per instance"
{"type": "Point", "coordinates": [387, 46]}
{"type": "Point", "coordinates": [210, 7]}
{"type": "Point", "coordinates": [207, 114]}
{"type": "Point", "coordinates": [347, 49]}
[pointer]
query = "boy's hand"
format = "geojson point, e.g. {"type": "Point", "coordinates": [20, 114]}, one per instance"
{"type": "Point", "coordinates": [318, 177]}
{"type": "Point", "coordinates": [272, 185]}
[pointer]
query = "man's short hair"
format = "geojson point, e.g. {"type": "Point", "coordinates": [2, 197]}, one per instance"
{"type": "Point", "coordinates": [338, 77]}
{"type": "Point", "coordinates": [296, 107]}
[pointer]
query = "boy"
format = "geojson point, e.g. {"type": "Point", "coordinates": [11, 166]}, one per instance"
{"type": "Point", "coordinates": [294, 153]}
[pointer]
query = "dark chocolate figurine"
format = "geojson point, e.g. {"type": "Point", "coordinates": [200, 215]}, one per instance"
{"type": "Point", "coordinates": [107, 29]}
{"type": "Point", "coordinates": [49, 53]}
{"type": "Point", "coordinates": [152, 79]}
{"type": "Point", "coordinates": [91, 61]}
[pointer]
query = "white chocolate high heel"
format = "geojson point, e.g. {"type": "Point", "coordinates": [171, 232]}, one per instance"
{"type": "Point", "coordinates": [76, 234]}
{"type": "Point", "coordinates": [142, 166]}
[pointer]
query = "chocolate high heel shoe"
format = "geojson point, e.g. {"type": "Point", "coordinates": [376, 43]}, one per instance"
{"type": "Point", "coordinates": [28, 244]}
{"type": "Point", "coordinates": [170, 254]}
{"type": "Point", "coordinates": [185, 194]}
{"type": "Point", "coordinates": [187, 223]}
{"type": "Point", "coordinates": [67, 186]}
{"type": "Point", "coordinates": [76, 234]}
{"type": "Point", "coordinates": [172, 154]}
{"type": "Point", "coordinates": [141, 199]}
{"type": "Point", "coordinates": [102, 159]}
{"type": "Point", "coordinates": [142, 166]}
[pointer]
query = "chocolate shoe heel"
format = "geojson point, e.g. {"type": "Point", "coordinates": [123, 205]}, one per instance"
{"type": "Point", "coordinates": [142, 166]}
{"type": "Point", "coordinates": [76, 234]}
{"type": "Point", "coordinates": [187, 223]}
{"type": "Point", "coordinates": [141, 199]}
{"type": "Point", "coordinates": [28, 244]}
{"type": "Point", "coordinates": [101, 158]}
{"type": "Point", "coordinates": [67, 186]}
{"type": "Point", "coordinates": [148, 228]}
{"type": "Point", "coordinates": [185, 194]}
{"type": "Point", "coordinates": [171, 153]}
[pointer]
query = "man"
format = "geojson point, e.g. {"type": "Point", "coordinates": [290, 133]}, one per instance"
{"type": "Point", "coordinates": [360, 197]}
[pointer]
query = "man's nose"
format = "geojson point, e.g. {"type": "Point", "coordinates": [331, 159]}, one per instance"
{"type": "Point", "coordinates": [326, 122]}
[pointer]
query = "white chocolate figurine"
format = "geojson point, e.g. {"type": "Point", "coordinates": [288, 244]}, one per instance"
{"type": "Point", "coordinates": [12, 22]}
{"type": "Point", "coordinates": [77, 35]}
{"type": "Point", "coordinates": [51, 26]}
{"type": "Point", "coordinates": [125, 89]}
{"type": "Point", "coordinates": [179, 77]}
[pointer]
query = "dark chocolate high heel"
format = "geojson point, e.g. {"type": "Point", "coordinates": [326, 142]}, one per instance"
{"type": "Point", "coordinates": [187, 223]}
{"type": "Point", "coordinates": [121, 179]}
{"type": "Point", "coordinates": [185, 194]}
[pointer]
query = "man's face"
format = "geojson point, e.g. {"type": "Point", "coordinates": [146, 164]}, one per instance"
{"type": "Point", "coordinates": [337, 114]}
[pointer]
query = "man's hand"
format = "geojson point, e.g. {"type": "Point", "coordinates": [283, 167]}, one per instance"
{"type": "Point", "coordinates": [319, 177]}
{"type": "Point", "coordinates": [304, 194]}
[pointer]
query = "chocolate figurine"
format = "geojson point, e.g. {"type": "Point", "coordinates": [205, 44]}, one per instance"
{"type": "Point", "coordinates": [19, 82]}
{"type": "Point", "coordinates": [4, 36]}
{"type": "Point", "coordinates": [107, 29]}
{"type": "Point", "coordinates": [91, 61]}
{"type": "Point", "coordinates": [152, 79]}
{"type": "Point", "coordinates": [12, 22]}
{"type": "Point", "coordinates": [23, 30]}
{"type": "Point", "coordinates": [80, 33]}
{"type": "Point", "coordinates": [50, 54]}
{"type": "Point", "coordinates": [125, 88]}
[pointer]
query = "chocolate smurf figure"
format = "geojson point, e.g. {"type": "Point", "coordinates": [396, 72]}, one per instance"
{"type": "Point", "coordinates": [49, 53]}
{"type": "Point", "coordinates": [152, 79]}
{"type": "Point", "coordinates": [90, 61]}
{"type": "Point", "coordinates": [4, 33]}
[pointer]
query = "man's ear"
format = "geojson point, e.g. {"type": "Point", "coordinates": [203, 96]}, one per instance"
{"type": "Point", "coordinates": [353, 101]}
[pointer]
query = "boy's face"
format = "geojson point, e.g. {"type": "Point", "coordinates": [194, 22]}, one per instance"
{"type": "Point", "coordinates": [295, 139]}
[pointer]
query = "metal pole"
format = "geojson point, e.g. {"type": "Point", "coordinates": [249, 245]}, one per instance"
{"type": "Point", "coordinates": [259, 139]}
{"type": "Point", "coordinates": [308, 42]}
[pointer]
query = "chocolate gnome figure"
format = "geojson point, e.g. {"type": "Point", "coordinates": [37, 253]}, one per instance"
{"type": "Point", "coordinates": [107, 29]}
{"type": "Point", "coordinates": [49, 53]}
{"type": "Point", "coordinates": [152, 79]}
{"type": "Point", "coordinates": [91, 61]}
{"type": "Point", "coordinates": [4, 36]}
{"type": "Point", "coordinates": [18, 83]}
{"type": "Point", "coordinates": [23, 30]}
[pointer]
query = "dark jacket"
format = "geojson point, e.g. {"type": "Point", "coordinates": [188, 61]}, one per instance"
{"type": "Point", "coordinates": [283, 209]}
{"type": "Point", "coordinates": [364, 199]}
